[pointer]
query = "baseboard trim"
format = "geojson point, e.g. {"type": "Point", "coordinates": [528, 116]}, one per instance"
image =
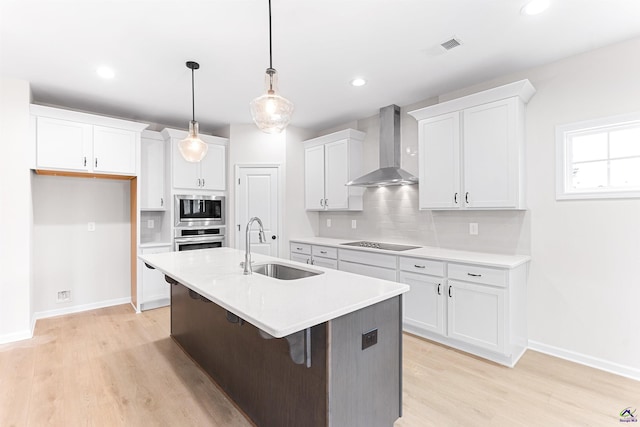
{"type": "Point", "coordinates": [80, 308]}
{"type": "Point", "coordinates": [16, 336]}
{"type": "Point", "coordinates": [583, 359]}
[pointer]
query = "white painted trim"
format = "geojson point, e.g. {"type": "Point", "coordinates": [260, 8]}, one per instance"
{"type": "Point", "coordinates": [523, 89]}
{"type": "Point", "coordinates": [16, 336]}
{"type": "Point", "coordinates": [93, 119]}
{"type": "Point", "coordinates": [352, 134]}
{"type": "Point", "coordinates": [79, 308]}
{"type": "Point", "coordinates": [178, 134]}
{"type": "Point", "coordinates": [583, 359]}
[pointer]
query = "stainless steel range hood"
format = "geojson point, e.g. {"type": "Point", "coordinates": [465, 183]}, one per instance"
{"type": "Point", "coordinates": [390, 172]}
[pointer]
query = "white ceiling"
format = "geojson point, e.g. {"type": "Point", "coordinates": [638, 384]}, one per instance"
{"type": "Point", "coordinates": [318, 47]}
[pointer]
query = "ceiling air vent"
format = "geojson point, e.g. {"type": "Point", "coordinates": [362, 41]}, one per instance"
{"type": "Point", "coordinates": [450, 44]}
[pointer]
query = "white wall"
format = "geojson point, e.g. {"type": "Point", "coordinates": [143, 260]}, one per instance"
{"type": "Point", "coordinates": [94, 266]}
{"type": "Point", "coordinates": [15, 211]}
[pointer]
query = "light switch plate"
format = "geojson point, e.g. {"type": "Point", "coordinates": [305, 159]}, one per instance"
{"type": "Point", "coordinates": [91, 226]}
{"type": "Point", "coordinates": [328, 222]}
{"type": "Point", "coordinates": [353, 223]}
{"type": "Point", "coordinates": [150, 223]}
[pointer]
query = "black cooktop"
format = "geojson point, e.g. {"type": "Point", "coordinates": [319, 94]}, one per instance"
{"type": "Point", "coordinates": [378, 245]}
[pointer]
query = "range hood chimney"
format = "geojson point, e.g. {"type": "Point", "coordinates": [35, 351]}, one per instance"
{"type": "Point", "coordinates": [390, 172]}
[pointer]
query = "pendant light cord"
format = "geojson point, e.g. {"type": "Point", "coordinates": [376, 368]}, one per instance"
{"type": "Point", "coordinates": [270, 49]}
{"type": "Point", "coordinates": [193, 98]}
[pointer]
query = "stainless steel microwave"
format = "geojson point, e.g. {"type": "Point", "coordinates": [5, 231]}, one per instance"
{"type": "Point", "coordinates": [199, 210]}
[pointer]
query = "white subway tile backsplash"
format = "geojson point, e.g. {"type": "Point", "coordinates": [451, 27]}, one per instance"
{"type": "Point", "coordinates": [391, 214]}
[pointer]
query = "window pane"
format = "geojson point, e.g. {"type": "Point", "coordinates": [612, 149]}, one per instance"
{"type": "Point", "coordinates": [625, 143]}
{"type": "Point", "coordinates": [589, 147]}
{"type": "Point", "coordinates": [625, 173]}
{"type": "Point", "coordinates": [589, 175]}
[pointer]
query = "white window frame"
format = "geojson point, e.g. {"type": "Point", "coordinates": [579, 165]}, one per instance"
{"type": "Point", "coordinates": [564, 164]}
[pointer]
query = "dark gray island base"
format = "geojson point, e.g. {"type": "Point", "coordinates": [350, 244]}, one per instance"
{"type": "Point", "coordinates": [333, 381]}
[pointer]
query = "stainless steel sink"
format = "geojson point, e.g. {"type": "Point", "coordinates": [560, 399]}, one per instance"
{"type": "Point", "coordinates": [283, 272]}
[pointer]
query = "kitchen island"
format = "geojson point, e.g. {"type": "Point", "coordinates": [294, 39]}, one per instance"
{"type": "Point", "coordinates": [323, 350]}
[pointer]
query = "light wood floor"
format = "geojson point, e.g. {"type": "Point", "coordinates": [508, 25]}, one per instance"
{"type": "Point", "coordinates": [112, 367]}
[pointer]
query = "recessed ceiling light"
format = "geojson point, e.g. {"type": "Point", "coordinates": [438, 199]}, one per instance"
{"type": "Point", "coordinates": [105, 72]}
{"type": "Point", "coordinates": [535, 7]}
{"type": "Point", "coordinates": [358, 81]}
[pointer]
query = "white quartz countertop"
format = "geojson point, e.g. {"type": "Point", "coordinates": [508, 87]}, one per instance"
{"type": "Point", "coordinates": [278, 307]}
{"type": "Point", "coordinates": [428, 252]}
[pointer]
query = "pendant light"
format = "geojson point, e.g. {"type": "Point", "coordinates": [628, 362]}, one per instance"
{"type": "Point", "coordinates": [271, 112]}
{"type": "Point", "coordinates": [192, 148]}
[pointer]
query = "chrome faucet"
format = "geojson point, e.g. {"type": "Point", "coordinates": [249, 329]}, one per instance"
{"type": "Point", "coordinates": [247, 244]}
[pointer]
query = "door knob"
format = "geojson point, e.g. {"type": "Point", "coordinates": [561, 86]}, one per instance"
{"type": "Point", "coordinates": [273, 237]}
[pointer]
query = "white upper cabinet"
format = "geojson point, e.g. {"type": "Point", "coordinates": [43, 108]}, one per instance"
{"type": "Point", "coordinates": [152, 172]}
{"type": "Point", "coordinates": [330, 162]}
{"type": "Point", "coordinates": [208, 174]}
{"type": "Point", "coordinates": [472, 150]}
{"type": "Point", "coordinates": [86, 143]}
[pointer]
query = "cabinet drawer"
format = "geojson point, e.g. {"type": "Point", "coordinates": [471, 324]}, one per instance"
{"type": "Point", "coordinates": [474, 273]}
{"type": "Point", "coordinates": [325, 252]}
{"type": "Point", "coordinates": [301, 248]}
{"type": "Point", "coordinates": [325, 262]}
{"type": "Point", "coordinates": [369, 258]}
{"type": "Point", "coordinates": [422, 266]}
{"type": "Point", "coordinates": [368, 270]}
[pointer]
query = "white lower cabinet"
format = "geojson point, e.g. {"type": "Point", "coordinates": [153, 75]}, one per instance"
{"type": "Point", "coordinates": [475, 315]}
{"type": "Point", "coordinates": [424, 303]}
{"type": "Point", "coordinates": [153, 290]}
{"type": "Point", "coordinates": [380, 266]}
{"type": "Point", "coordinates": [323, 256]}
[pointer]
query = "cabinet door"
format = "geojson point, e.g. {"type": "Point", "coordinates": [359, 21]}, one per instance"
{"type": "Point", "coordinates": [213, 168]}
{"type": "Point", "coordinates": [62, 144]}
{"type": "Point", "coordinates": [490, 149]}
{"type": "Point", "coordinates": [476, 315]}
{"type": "Point", "coordinates": [154, 287]}
{"type": "Point", "coordinates": [185, 174]}
{"type": "Point", "coordinates": [152, 174]}
{"type": "Point", "coordinates": [424, 303]}
{"type": "Point", "coordinates": [314, 178]}
{"type": "Point", "coordinates": [336, 175]}
{"type": "Point", "coordinates": [439, 162]}
{"type": "Point", "coordinates": [114, 150]}
{"type": "Point", "coordinates": [305, 259]}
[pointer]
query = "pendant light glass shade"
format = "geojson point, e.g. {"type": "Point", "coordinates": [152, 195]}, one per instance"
{"type": "Point", "coordinates": [192, 148]}
{"type": "Point", "coordinates": [271, 112]}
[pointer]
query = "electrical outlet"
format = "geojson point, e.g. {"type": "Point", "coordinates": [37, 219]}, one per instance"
{"type": "Point", "coordinates": [328, 222]}
{"type": "Point", "coordinates": [91, 226]}
{"type": "Point", "coordinates": [353, 223]}
{"type": "Point", "coordinates": [64, 296]}
{"type": "Point", "coordinates": [150, 223]}
{"type": "Point", "coordinates": [473, 228]}
{"type": "Point", "coordinates": [369, 338]}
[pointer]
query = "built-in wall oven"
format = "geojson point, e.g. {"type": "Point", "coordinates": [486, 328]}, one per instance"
{"type": "Point", "coordinates": [189, 239]}
{"type": "Point", "coordinates": [199, 222]}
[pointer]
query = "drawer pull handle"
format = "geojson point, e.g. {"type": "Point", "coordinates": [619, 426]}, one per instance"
{"type": "Point", "coordinates": [439, 293]}
{"type": "Point", "coordinates": [323, 252]}
{"type": "Point", "coordinates": [455, 198]}
{"type": "Point", "coordinates": [299, 249]}
{"type": "Point", "coordinates": [418, 266]}
{"type": "Point", "coordinates": [466, 198]}
{"type": "Point", "coordinates": [474, 275]}
{"type": "Point", "coordinates": [450, 291]}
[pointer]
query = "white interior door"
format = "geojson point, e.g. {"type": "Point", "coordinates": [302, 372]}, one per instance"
{"type": "Point", "coordinates": [257, 192]}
